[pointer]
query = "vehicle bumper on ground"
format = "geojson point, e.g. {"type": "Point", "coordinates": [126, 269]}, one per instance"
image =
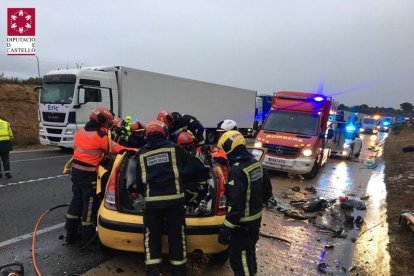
{"type": "Point", "coordinates": [117, 231]}
{"type": "Point", "coordinates": [300, 165]}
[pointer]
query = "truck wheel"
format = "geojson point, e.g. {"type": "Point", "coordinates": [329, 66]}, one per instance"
{"type": "Point", "coordinates": [211, 137]}
{"type": "Point", "coordinates": [312, 174]}
{"type": "Point", "coordinates": [220, 258]}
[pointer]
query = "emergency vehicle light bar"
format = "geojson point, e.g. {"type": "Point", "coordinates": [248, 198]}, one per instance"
{"type": "Point", "coordinates": [302, 98]}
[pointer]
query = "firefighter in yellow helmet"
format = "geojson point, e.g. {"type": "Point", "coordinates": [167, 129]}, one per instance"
{"type": "Point", "coordinates": [246, 191]}
{"type": "Point", "coordinates": [6, 145]}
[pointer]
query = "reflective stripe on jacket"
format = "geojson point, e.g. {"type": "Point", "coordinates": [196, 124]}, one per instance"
{"type": "Point", "coordinates": [91, 146]}
{"type": "Point", "coordinates": [244, 193]}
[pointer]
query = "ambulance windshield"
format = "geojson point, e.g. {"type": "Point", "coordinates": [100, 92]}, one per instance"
{"type": "Point", "coordinates": [292, 122]}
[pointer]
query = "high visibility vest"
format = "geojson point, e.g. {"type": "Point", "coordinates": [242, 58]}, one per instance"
{"type": "Point", "coordinates": [5, 131]}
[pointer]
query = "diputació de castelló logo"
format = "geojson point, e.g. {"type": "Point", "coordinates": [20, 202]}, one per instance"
{"type": "Point", "coordinates": [21, 31]}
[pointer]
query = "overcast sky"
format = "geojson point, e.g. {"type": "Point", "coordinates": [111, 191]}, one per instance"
{"type": "Point", "coordinates": [362, 51]}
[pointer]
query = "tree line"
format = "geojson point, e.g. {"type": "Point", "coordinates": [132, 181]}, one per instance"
{"type": "Point", "coordinates": [406, 109]}
{"type": "Point", "coordinates": [15, 80]}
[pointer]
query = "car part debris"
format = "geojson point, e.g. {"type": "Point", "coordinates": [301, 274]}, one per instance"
{"type": "Point", "coordinates": [295, 215]}
{"type": "Point", "coordinates": [350, 204]}
{"type": "Point", "coordinates": [275, 238]}
{"type": "Point", "coordinates": [311, 190]}
{"type": "Point", "coordinates": [329, 246]}
{"type": "Point", "coordinates": [12, 269]}
{"type": "Point", "coordinates": [359, 221]}
{"type": "Point", "coordinates": [316, 206]}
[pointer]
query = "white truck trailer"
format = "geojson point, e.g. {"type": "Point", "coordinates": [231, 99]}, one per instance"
{"type": "Point", "coordinates": [67, 97]}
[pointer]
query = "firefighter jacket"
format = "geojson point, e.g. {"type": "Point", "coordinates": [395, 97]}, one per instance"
{"type": "Point", "coordinates": [188, 122]}
{"type": "Point", "coordinates": [6, 136]}
{"type": "Point", "coordinates": [160, 171]}
{"type": "Point", "coordinates": [92, 144]}
{"type": "Point", "coordinates": [244, 190]}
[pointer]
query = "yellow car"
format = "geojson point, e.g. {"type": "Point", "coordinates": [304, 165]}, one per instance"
{"type": "Point", "coordinates": [120, 220]}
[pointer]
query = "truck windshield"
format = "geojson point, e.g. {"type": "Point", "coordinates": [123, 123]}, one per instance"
{"type": "Point", "coordinates": [292, 122]}
{"type": "Point", "coordinates": [57, 93]}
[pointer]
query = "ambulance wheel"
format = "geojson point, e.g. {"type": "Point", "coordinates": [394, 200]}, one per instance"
{"type": "Point", "coordinates": [220, 258]}
{"type": "Point", "coordinates": [312, 174]}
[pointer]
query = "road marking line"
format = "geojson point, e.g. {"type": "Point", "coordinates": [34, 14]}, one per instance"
{"type": "Point", "coordinates": [32, 180]}
{"type": "Point", "coordinates": [25, 151]}
{"type": "Point", "coordinates": [40, 158]}
{"type": "Point", "coordinates": [30, 235]}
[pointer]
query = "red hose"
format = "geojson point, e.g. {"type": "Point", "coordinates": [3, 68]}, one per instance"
{"type": "Point", "coordinates": [34, 237]}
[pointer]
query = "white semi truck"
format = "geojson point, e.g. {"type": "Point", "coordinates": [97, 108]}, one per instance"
{"type": "Point", "coordinates": [67, 97]}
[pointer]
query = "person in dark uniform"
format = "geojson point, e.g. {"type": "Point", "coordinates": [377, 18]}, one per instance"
{"type": "Point", "coordinates": [136, 139]}
{"type": "Point", "coordinates": [246, 191]}
{"type": "Point", "coordinates": [159, 180]}
{"type": "Point", "coordinates": [183, 122]}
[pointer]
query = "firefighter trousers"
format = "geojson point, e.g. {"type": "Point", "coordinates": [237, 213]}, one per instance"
{"type": "Point", "coordinates": [170, 220]}
{"type": "Point", "coordinates": [242, 249]}
{"type": "Point", "coordinates": [84, 205]}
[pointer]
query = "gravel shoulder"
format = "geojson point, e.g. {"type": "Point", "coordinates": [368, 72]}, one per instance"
{"type": "Point", "coordinates": [399, 180]}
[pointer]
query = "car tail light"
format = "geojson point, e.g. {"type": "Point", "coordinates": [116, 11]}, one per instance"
{"type": "Point", "coordinates": [221, 198]}
{"type": "Point", "coordinates": [110, 195]}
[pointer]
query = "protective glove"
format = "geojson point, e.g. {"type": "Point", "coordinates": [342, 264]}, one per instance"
{"type": "Point", "coordinates": [224, 235]}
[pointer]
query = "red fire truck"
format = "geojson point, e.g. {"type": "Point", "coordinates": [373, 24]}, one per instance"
{"type": "Point", "coordinates": [296, 131]}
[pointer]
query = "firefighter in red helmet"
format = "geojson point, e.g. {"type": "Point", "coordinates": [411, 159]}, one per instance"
{"type": "Point", "coordinates": [91, 144]}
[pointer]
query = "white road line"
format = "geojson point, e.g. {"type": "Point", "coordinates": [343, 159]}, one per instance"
{"type": "Point", "coordinates": [30, 235]}
{"type": "Point", "coordinates": [40, 158]}
{"type": "Point", "coordinates": [34, 150]}
{"type": "Point", "coordinates": [32, 180]}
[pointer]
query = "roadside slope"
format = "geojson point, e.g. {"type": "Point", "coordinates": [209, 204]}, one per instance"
{"type": "Point", "coordinates": [18, 106]}
{"type": "Point", "coordinates": [399, 180]}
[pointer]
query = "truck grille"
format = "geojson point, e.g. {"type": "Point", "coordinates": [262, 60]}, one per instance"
{"type": "Point", "coordinates": [54, 130]}
{"type": "Point", "coordinates": [281, 150]}
{"type": "Point", "coordinates": [53, 117]}
{"type": "Point", "coordinates": [53, 139]}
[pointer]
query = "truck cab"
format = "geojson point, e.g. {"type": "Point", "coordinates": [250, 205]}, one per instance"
{"type": "Point", "coordinates": [66, 99]}
{"type": "Point", "coordinates": [295, 132]}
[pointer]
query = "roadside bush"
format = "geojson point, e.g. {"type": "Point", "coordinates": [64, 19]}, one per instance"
{"type": "Point", "coordinates": [397, 127]}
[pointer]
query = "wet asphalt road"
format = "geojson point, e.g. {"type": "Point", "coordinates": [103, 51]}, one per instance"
{"type": "Point", "coordinates": [361, 251]}
{"type": "Point", "coordinates": [38, 185]}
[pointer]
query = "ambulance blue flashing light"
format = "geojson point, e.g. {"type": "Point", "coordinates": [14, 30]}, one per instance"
{"type": "Point", "coordinates": [318, 99]}
{"type": "Point", "coordinates": [386, 123]}
{"type": "Point", "coordinates": [350, 128]}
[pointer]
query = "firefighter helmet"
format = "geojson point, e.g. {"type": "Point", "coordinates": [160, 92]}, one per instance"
{"type": "Point", "coordinates": [230, 140]}
{"type": "Point", "coordinates": [165, 117]}
{"type": "Point", "coordinates": [138, 128]}
{"type": "Point", "coordinates": [156, 127]}
{"type": "Point", "coordinates": [102, 116]}
{"type": "Point", "coordinates": [185, 138]}
{"type": "Point", "coordinates": [226, 125]}
{"type": "Point", "coordinates": [128, 119]}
